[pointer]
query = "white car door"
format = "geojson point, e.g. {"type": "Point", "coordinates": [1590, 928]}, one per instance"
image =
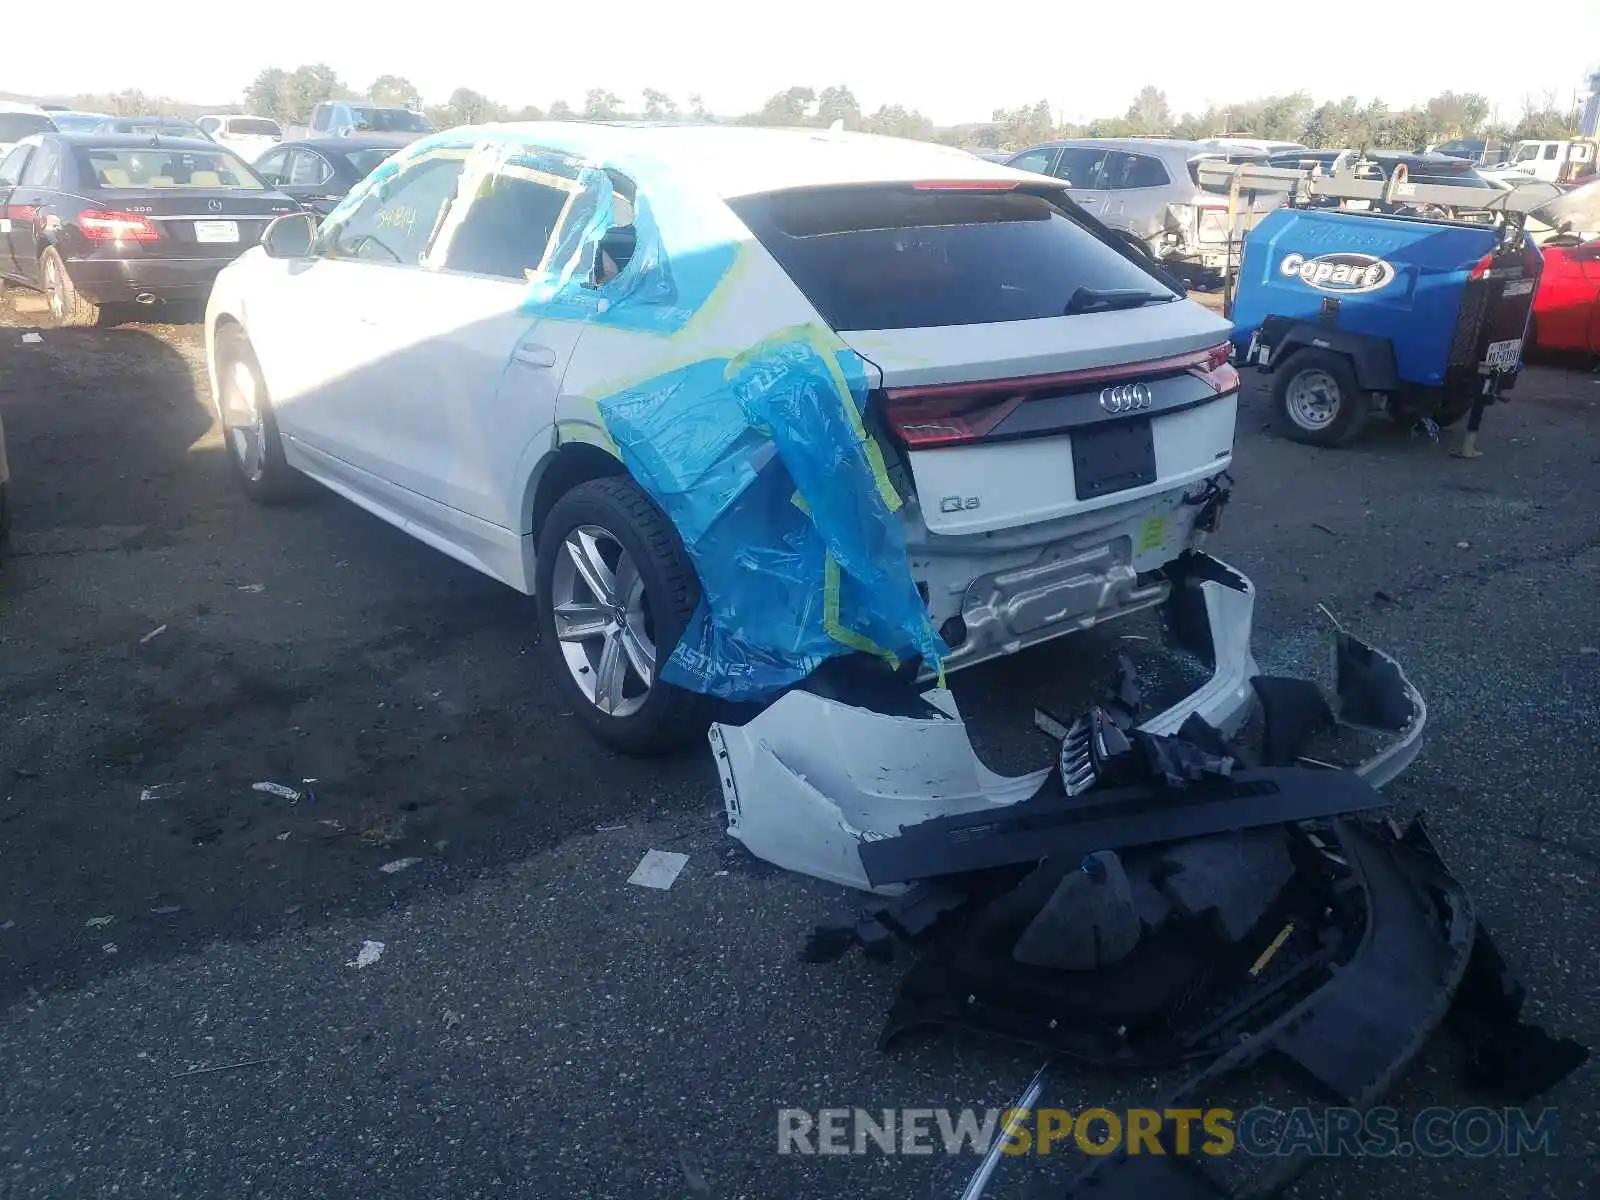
{"type": "Point", "coordinates": [459, 383]}
{"type": "Point", "coordinates": [317, 323]}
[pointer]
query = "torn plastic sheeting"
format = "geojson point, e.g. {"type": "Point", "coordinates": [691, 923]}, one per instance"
{"type": "Point", "coordinates": [764, 466]}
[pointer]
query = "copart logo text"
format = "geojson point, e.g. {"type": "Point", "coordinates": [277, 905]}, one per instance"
{"type": "Point", "coordinates": [1342, 272]}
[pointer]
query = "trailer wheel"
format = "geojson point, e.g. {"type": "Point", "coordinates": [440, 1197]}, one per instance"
{"type": "Point", "coordinates": [1317, 399]}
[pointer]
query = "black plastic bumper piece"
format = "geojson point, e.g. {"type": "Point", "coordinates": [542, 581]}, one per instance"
{"type": "Point", "coordinates": [1353, 1036]}
{"type": "Point", "coordinates": [1055, 825]}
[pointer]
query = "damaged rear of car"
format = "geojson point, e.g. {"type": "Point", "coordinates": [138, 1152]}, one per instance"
{"type": "Point", "coordinates": [1056, 418]}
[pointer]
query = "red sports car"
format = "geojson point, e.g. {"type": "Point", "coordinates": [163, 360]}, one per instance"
{"type": "Point", "coordinates": [1566, 310]}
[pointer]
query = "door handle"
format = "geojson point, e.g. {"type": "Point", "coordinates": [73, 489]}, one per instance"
{"type": "Point", "coordinates": [533, 355]}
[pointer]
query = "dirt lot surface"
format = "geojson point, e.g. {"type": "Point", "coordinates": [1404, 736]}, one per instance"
{"type": "Point", "coordinates": [536, 1026]}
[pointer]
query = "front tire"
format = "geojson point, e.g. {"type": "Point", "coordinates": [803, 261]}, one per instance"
{"type": "Point", "coordinates": [1317, 399]}
{"type": "Point", "coordinates": [615, 589]}
{"type": "Point", "coordinates": [249, 425]}
{"type": "Point", "coordinates": [67, 308]}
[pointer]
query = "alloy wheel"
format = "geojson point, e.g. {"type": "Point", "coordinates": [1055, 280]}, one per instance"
{"type": "Point", "coordinates": [246, 421]}
{"type": "Point", "coordinates": [603, 620]}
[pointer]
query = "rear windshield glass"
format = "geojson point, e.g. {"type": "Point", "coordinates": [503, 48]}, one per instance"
{"type": "Point", "coordinates": [16, 126]}
{"type": "Point", "coordinates": [253, 126]}
{"type": "Point", "coordinates": [391, 120]}
{"type": "Point", "coordinates": [362, 161]}
{"type": "Point", "coordinates": [895, 257]}
{"type": "Point", "coordinates": [158, 167]}
{"type": "Point", "coordinates": [76, 122]}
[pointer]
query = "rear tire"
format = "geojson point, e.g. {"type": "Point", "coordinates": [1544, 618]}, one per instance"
{"type": "Point", "coordinates": [623, 606]}
{"type": "Point", "coordinates": [67, 308]}
{"type": "Point", "coordinates": [249, 425]}
{"type": "Point", "coordinates": [1317, 399]}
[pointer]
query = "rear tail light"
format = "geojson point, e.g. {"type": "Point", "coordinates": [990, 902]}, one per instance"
{"type": "Point", "coordinates": [1217, 370]}
{"type": "Point", "coordinates": [101, 226]}
{"type": "Point", "coordinates": [1481, 267]}
{"type": "Point", "coordinates": [952, 414]}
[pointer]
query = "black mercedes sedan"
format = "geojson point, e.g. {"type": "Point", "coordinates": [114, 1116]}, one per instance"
{"type": "Point", "coordinates": [319, 171]}
{"type": "Point", "coordinates": [94, 219]}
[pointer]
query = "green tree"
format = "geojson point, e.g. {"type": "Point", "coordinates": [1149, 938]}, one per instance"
{"type": "Point", "coordinates": [308, 87]}
{"type": "Point", "coordinates": [1545, 122]}
{"type": "Point", "coordinates": [896, 120]}
{"type": "Point", "coordinates": [697, 107]}
{"type": "Point", "coordinates": [658, 106]}
{"type": "Point", "coordinates": [1022, 127]}
{"type": "Point", "coordinates": [528, 112]}
{"type": "Point", "coordinates": [1149, 113]}
{"type": "Point", "coordinates": [601, 105]}
{"type": "Point", "coordinates": [268, 95]}
{"type": "Point", "coordinates": [395, 89]}
{"type": "Point", "coordinates": [792, 106]}
{"type": "Point", "coordinates": [838, 103]}
{"type": "Point", "coordinates": [1451, 115]}
{"type": "Point", "coordinates": [131, 103]}
{"type": "Point", "coordinates": [561, 111]}
{"type": "Point", "coordinates": [467, 107]}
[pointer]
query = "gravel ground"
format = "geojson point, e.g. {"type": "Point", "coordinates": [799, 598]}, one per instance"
{"type": "Point", "coordinates": [534, 1024]}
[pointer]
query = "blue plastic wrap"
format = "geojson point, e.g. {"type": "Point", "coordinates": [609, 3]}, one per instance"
{"type": "Point", "coordinates": [765, 469]}
{"type": "Point", "coordinates": [761, 460]}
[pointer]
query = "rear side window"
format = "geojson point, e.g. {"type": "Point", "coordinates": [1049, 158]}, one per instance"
{"type": "Point", "coordinates": [1080, 167]}
{"type": "Point", "coordinates": [44, 170]}
{"type": "Point", "coordinates": [898, 257]}
{"type": "Point", "coordinates": [509, 227]}
{"type": "Point", "coordinates": [1134, 171]}
{"type": "Point", "coordinates": [16, 126]}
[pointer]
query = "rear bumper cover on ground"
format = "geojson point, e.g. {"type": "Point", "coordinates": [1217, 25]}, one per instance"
{"type": "Point", "coordinates": [809, 780]}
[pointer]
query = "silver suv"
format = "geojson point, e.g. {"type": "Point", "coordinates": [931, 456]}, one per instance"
{"type": "Point", "coordinates": [1147, 190]}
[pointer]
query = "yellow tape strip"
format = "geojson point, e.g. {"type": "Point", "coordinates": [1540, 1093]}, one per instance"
{"type": "Point", "coordinates": [831, 623]}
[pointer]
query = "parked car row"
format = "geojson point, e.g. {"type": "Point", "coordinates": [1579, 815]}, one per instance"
{"type": "Point", "coordinates": [98, 219]}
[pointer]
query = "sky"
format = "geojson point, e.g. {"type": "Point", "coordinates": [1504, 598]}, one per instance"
{"type": "Point", "coordinates": [953, 62]}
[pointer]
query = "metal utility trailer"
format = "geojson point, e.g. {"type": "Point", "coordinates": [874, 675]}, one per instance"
{"type": "Point", "coordinates": [1416, 303]}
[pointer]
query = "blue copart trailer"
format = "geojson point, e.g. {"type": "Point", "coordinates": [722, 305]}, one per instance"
{"type": "Point", "coordinates": [1423, 316]}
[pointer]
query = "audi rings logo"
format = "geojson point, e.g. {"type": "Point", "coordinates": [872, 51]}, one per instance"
{"type": "Point", "coordinates": [1126, 398]}
{"type": "Point", "coordinates": [214, 205]}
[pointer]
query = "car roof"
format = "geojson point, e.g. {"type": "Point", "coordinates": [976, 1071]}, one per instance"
{"type": "Point", "coordinates": [1146, 145]}
{"type": "Point", "coordinates": [146, 119]}
{"type": "Point", "coordinates": [744, 160]}
{"type": "Point", "coordinates": [136, 141]}
{"type": "Point", "coordinates": [341, 145]}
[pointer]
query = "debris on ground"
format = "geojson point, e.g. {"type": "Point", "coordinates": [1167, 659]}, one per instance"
{"type": "Point", "coordinates": [398, 865]}
{"type": "Point", "coordinates": [31, 339]}
{"type": "Point", "coordinates": [233, 1066]}
{"type": "Point", "coordinates": [369, 953]}
{"type": "Point", "coordinates": [167, 910]}
{"type": "Point", "coordinates": [160, 791]}
{"type": "Point", "coordinates": [451, 1019]}
{"type": "Point", "coordinates": [277, 789]}
{"type": "Point", "coordinates": [658, 869]}
{"type": "Point", "coordinates": [98, 922]}
{"type": "Point", "coordinates": [253, 588]}
{"type": "Point", "coordinates": [152, 635]}
{"type": "Point", "coordinates": [284, 836]}
{"type": "Point", "coordinates": [1215, 884]}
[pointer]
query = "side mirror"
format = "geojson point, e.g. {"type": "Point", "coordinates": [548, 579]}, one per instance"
{"type": "Point", "coordinates": [290, 236]}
